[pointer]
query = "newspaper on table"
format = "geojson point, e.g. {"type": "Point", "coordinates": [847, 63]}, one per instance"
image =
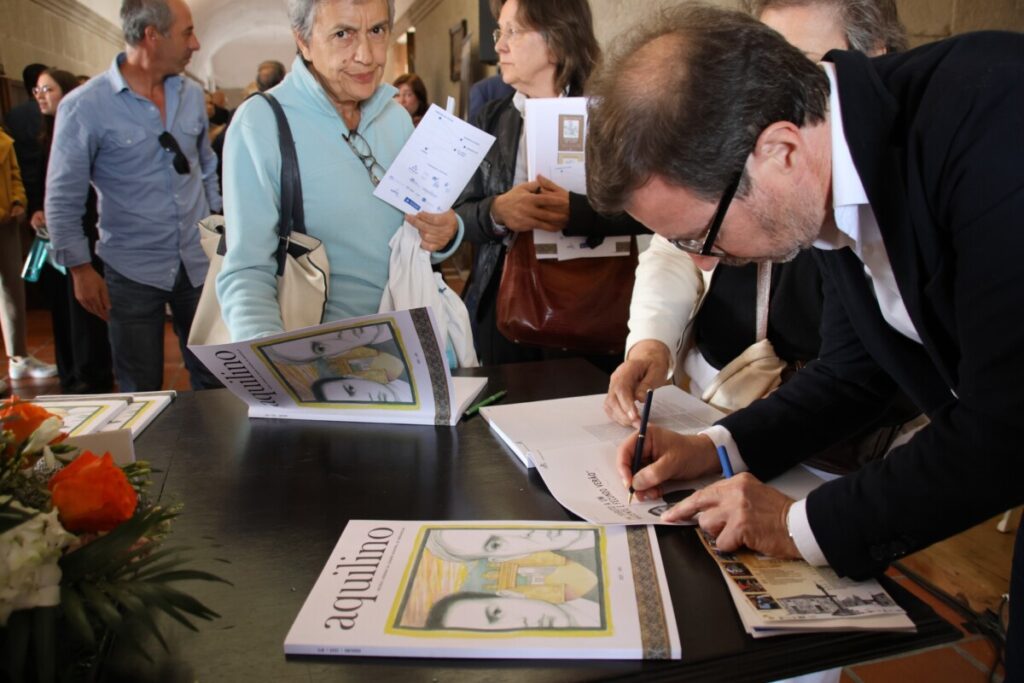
{"type": "Point", "coordinates": [555, 131]}
{"type": "Point", "coordinates": [387, 367]}
{"type": "Point", "coordinates": [776, 596]}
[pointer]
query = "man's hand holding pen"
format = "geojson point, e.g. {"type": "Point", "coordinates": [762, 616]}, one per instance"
{"type": "Point", "coordinates": [739, 511]}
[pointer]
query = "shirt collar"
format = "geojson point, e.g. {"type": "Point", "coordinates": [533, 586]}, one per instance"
{"type": "Point", "coordinates": [119, 84]}
{"type": "Point", "coordinates": [848, 193]}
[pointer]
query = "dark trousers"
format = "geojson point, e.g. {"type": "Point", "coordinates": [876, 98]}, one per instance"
{"type": "Point", "coordinates": [80, 339]}
{"type": "Point", "coordinates": [137, 331]}
{"type": "Point", "coordinates": [1015, 633]}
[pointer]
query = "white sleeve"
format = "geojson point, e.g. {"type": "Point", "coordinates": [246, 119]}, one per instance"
{"type": "Point", "coordinates": [800, 531]}
{"type": "Point", "coordinates": [667, 289]}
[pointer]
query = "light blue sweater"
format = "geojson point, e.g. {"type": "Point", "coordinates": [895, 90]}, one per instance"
{"type": "Point", "coordinates": [340, 208]}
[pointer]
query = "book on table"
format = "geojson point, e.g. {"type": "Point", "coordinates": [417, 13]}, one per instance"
{"type": "Point", "coordinates": [386, 367]}
{"type": "Point", "coordinates": [506, 590]}
{"type": "Point", "coordinates": [91, 413]}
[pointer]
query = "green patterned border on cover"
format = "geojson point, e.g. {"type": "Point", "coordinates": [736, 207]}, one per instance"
{"type": "Point", "coordinates": [650, 604]}
{"type": "Point", "coordinates": [436, 364]}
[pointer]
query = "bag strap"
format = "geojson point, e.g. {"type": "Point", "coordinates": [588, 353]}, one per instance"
{"type": "Point", "coordinates": [764, 285]}
{"type": "Point", "coordinates": [292, 217]}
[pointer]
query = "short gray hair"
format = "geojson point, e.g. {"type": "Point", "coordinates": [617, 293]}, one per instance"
{"type": "Point", "coordinates": [136, 15]}
{"type": "Point", "coordinates": [867, 24]}
{"type": "Point", "coordinates": [303, 13]}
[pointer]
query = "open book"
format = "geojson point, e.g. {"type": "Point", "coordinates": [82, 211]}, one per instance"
{"type": "Point", "coordinates": [509, 590]}
{"type": "Point", "coordinates": [90, 413]}
{"type": "Point", "coordinates": [775, 597]}
{"type": "Point", "coordinates": [386, 367]}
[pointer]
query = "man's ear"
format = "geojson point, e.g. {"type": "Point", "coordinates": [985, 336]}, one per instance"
{"type": "Point", "coordinates": [778, 148]}
{"type": "Point", "coordinates": [150, 34]}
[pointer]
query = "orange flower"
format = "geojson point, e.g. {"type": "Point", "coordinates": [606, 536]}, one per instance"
{"type": "Point", "coordinates": [22, 419]}
{"type": "Point", "coordinates": [92, 494]}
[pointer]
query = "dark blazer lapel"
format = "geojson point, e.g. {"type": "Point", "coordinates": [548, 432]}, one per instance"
{"type": "Point", "coordinates": [870, 115]}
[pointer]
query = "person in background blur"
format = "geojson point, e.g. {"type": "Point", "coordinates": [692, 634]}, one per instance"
{"type": "Point", "coordinates": [412, 95]}
{"type": "Point", "coordinates": [79, 337]}
{"type": "Point", "coordinates": [82, 79]}
{"type": "Point", "coordinates": [269, 74]}
{"type": "Point", "coordinates": [211, 113]}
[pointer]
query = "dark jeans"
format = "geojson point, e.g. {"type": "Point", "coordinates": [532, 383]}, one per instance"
{"type": "Point", "coordinates": [137, 331]}
{"type": "Point", "coordinates": [80, 339]}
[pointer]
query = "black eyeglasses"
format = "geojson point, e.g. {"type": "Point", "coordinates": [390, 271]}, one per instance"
{"type": "Point", "coordinates": [361, 148]}
{"type": "Point", "coordinates": [705, 246]}
{"type": "Point", "coordinates": [170, 144]}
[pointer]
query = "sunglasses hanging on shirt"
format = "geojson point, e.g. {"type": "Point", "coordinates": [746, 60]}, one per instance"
{"type": "Point", "coordinates": [170, 144]}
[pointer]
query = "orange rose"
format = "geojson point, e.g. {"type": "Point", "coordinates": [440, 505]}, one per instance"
{"type": "Point", "coordinates": [22, 419]}
{"type": "Point", "coordinates": [92, 494]}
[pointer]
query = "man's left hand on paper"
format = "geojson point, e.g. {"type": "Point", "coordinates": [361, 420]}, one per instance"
{"type": "Point", "coordinates": [741, 512]}
{"type": "Point", "coordinates": [436, 229]}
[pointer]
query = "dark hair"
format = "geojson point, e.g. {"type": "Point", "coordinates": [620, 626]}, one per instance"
{"type": "Point", "coordinates": [136, 15]}
{"type": "Point", "coordinates": [568, 30]}
{"type": "Point", "coordinates": [867, 24]}
{"type": "Point", "coordinates": [276, 77]}
{"type": "Point", "coordinates": [439, 610]}
{"type": "Point", "coordinates": [416, 83]}
{"type": "Point", "coordinates": [687, 97]}
{"type": "Point", "coordinates": [67, 82]}
{"type": "Point", "coordinates": [30, 75]}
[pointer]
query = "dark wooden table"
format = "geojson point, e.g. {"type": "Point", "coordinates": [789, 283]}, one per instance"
{"type": "Point", "coordinates": [271, 497]}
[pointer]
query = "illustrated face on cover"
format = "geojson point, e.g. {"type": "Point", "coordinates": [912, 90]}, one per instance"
{"type": "Point", "coordinates": [504, 580]}
{"type": "Point", "coordinates": [363, 364]}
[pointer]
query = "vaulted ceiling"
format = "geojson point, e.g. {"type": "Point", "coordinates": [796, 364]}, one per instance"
{"type": "Point", "coordinates": [234, 35]}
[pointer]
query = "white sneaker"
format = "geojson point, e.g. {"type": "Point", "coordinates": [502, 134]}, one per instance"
{"type": "Point", "coordinates": [30, 366]}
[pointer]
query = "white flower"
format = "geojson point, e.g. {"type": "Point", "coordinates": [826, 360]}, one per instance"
{"type": "Point", "coordinates": [29, 573]}
{"type": "Point", "coordinates": [45, 433]}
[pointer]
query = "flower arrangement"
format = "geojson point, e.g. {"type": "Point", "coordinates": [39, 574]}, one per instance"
{"type": "Point", "coordinates": [82, 554]}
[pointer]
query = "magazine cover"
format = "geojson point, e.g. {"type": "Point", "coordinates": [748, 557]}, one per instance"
{"type": "Point", "coordinates": [387, 367]}
{"type": "Point", "coordinates": [520, 590]}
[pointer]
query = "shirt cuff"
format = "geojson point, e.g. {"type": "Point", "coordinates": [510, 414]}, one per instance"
{"type": "Point", "coordinates": [800, 531]}
{"type": "Point", "coordinates": [497, 229]}
{"type": "Point", "coordinates": [721, 436]}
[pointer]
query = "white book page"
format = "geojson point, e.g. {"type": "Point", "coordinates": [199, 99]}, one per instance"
{"type": "Point", "coordinates": [435, 164]}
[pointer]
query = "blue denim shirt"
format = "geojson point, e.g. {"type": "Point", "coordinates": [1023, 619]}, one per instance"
{"type": "Point", "coordinates": [108, 134]}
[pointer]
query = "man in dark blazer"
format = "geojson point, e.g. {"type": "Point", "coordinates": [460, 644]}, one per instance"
{"type": "Point", "coordinates": [906, 173]}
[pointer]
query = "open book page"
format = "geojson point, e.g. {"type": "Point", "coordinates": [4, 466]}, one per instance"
{"type": "Point", "coordinates": [138, 414]}
{"type": "Point", "coordinates": [435, 164]}
{"type": "Point", "coordinates": [555, 131]}
{"type": "Point", "coordinates": [581, 422]}
{"type": "Point", "coordinates": [773, 595]}
{"type": "Point", "coordinates": [489, 590]}
{"type": "Point", "coordinates": [86, 415]}
{"type": "Point", "coordinates": [387, 367]}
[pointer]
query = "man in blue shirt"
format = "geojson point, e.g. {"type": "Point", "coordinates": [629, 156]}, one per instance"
{"type": "Point", "coordinates": [138, 133]}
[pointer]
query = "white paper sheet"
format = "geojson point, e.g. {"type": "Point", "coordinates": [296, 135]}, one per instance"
{"type": "Point", "coordinates": [435, 164]}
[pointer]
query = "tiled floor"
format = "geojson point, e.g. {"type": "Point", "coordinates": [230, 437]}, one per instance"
{"type": "Point", "coordinates": [966, 661]}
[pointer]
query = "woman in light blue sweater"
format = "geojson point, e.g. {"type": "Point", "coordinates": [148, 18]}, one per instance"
{"type": "Point", "coordinates": [347, 131]}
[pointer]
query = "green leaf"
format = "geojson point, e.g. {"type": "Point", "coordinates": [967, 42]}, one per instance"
{"type": "Point", "coordinates": [188, 575]}
{"type": "Point", "coordinates": [74, 613]}
{"type": "Point", "coordinates": [44, 642]}
{"type": "Point", "coordinates": [96, 601]}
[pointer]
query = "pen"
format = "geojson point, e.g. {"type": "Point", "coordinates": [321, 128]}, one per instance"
{"type": "Point", "coordinates": [638, 451]}
{"type": "Point", "coordinates": [723, 458]}
{"type": "Point", "coordinates": [493, 398]}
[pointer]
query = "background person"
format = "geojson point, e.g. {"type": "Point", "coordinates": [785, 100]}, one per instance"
{"type": "Point", "coordinates": [669, 284]}
{"type": "Point", "coordinates": [905, 169]}
{"type": "Point", "coordinates": [546, 49]}
{"type": "Point", "coordinates": [80, 339]}
{"type": "Point", "coordinates": [347, 130]}
{"type": "Point", "coordinates": [138, 133]}
{"type": "Point", "coordinates": [412, 95]}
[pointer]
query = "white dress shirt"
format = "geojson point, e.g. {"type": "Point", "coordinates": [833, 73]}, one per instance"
{"type": "Point", "coordinates": [858, 230]}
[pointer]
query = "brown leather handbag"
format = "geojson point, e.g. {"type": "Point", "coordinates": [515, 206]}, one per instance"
{"type": "Point", "coordinates": [579, 305]}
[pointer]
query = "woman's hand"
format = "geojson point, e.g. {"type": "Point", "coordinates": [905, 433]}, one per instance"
{"type": "Point", "coordinates": [526, 207]}
{"type": "Point", "coordinates": [645, 368]}
{"type": "Point", "coordinates": [436, 229]}
{"type": "Point", "coordinates": [38, 223]}
{"type": "Point", "coordinates": [552, 190]}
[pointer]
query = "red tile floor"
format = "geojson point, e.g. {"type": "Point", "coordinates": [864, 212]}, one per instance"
{"type": "Point", "coordinates": [953, 565]}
